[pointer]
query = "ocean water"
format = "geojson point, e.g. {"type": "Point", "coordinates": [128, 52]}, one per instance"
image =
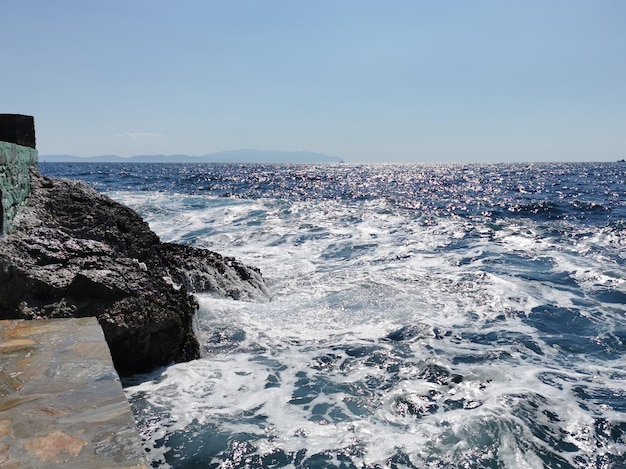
{"type": "Point", "coordinates": [421, 316]}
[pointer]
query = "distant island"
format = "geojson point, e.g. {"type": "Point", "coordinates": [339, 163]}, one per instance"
{"type": "Point", "coordinates": [231, 156]}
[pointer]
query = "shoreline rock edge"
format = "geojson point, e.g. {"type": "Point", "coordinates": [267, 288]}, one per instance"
{"type": "Point", "coordinates": [75, 252]}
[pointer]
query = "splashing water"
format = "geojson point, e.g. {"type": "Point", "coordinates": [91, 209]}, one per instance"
{"type": "Point", "coordinates": [421, 316]}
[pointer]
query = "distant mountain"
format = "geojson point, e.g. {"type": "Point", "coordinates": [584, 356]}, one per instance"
{"type": "Point", "coordinates": [231, 156]}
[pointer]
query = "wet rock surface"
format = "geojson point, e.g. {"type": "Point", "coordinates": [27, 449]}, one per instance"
{"type": "Point", "coordinates": [76, 253]}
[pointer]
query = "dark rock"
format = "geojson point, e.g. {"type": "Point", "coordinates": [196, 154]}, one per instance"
{"type": "Point", "coordinates": [206, 271]}
{"type": "Point", "coordinates": [76, 253]}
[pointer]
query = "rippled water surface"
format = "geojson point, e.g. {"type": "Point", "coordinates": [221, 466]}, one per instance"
{"type": "Point", "coordinates": [435, 316]}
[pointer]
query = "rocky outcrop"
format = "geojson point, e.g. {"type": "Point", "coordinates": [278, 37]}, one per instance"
{"type": "Point", "coordinates": [75, 253]}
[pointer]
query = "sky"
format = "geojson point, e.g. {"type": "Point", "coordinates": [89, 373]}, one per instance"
{"type": "Point", "coordinates": [367, 81]}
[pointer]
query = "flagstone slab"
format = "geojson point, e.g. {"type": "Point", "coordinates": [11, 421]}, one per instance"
{"type": "Point", "coordinates": [61, 401]}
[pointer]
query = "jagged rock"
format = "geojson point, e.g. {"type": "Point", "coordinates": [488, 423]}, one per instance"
{"type": "Point", "coordinates": [75, 252]}
{"type": "Point", "coordinates": [206, 271]}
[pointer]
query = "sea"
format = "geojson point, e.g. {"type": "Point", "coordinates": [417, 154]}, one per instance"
{"type": "Point", "coordinates": [418, 316]}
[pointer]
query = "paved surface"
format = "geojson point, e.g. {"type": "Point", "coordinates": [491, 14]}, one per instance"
{"type": "Point", "coordinates": [61, 401]}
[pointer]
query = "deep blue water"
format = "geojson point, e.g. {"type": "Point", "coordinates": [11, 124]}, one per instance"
{"type": "Point", "coordinates": [421, 316]}
{"type": "Point", "coordinates": [590, 193]}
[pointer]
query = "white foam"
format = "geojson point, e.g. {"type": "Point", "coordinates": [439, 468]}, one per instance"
{"type": "Point", "coordinates": [344, 275]}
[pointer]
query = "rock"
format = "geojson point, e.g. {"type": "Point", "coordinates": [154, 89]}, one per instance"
{"type": "Point", "coordinates": [75, 253]}
{"type": "Point", "coordinates": [206, 271]}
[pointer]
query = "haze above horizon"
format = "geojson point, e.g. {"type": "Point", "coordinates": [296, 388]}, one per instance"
{"type": "Point", "coordinates": [448, 81]}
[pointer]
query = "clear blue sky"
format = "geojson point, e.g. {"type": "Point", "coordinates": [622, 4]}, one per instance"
{"type": "Point", "coordinates": [386, 81]}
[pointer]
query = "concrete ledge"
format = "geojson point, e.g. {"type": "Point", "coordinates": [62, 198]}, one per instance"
{"type": "Point", "coordinates": [61, 401]}
{"type": "Point", "coordinates": [17, 128]}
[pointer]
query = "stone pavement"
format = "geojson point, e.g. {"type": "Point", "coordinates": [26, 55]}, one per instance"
{"type": "Point", "coordinates": [61, 401]}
